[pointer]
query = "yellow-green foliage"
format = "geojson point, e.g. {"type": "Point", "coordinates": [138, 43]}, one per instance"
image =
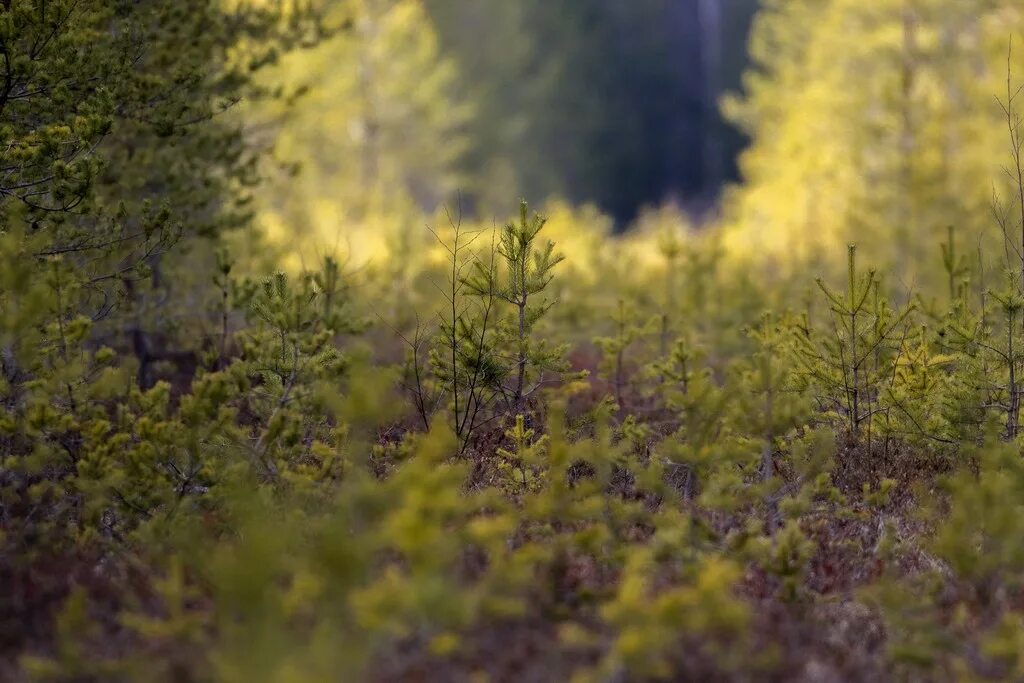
{"type": "Point", "coordinates": [604, 457]}
{"type": "Point", "coordinates": [889, 161]}
{"type": "Point", "coordinates": [371, 122]}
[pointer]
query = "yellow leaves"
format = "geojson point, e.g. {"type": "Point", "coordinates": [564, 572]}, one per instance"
{"type": "Point", "coordinates": [523, 469]}
{"type": "Point", "coordinates": [43, 415]}
{"type": "Point", "coordinates": [156, 399]}
{"type": "Point", "coordinates": [383, 102]}
{"type": "Point", "coordinates": [836, 157]}
{"type": "Point", "coordinates": [77, 329]}
{"type": "Point", "coordinates": [8, 423]}
{"type": "Point", "coordinates": [109, 383]}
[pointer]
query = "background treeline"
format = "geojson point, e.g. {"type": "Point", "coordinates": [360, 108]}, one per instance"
{"type": "Point", "coordinates": [277, 404]}
{"type": "Point", "coordinates": [606, 102]}
{"type": "Point", "coordinates": [609, 103]}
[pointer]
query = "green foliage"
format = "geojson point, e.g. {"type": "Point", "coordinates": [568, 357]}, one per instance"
{"type": "Point", "coordinates": [615, 349]}
{"type": "Point", "coordinates": [208, 474]}
{"type": "Point", "coordinates": [486, 360]}
{"type": "Point", "coordinates": [889, 161]}
{"type": "Point", "coordinates": [982, 508]}
{"type": "Point", "coordinates": [367, 136]}
{"type": "Point", "coordinates": [849, 365]}
{"type": "Point", "coordinates": [785, 556]}
{"type": "Point", "coordinates": [770, 404]}
{"type": "Point", "coordinates": [521, 468]}
{"type": "Point", "coordinates": [527, 272]}
{"type": "Point", "coordinates": [649, 627]}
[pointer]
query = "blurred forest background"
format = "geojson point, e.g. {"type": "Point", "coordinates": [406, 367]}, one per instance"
{"type": "Point", "coordinates": [608, 103]}
{"type": "Point", "coordinates": [793, 126]}
{"type": "Point", "coordinates": [511, 340]}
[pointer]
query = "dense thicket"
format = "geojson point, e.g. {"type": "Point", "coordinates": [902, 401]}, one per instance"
{"type": "Point", "coordinates": [523, 449]}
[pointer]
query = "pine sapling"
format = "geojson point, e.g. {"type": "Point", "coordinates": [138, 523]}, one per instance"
{"type": "Point", "coordinates": [528, 268]}
{"type": "Point", "coordinates": [1011, 302]}
{"type": "Point", "coordinates": [849, 363]}
{"type": "Point", "coordinates": [464, 358]}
